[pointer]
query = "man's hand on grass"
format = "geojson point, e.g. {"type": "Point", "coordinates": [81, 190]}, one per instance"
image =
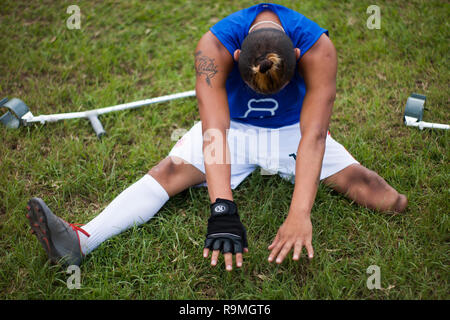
{"type": "Point", "coordinates": [295, 233]}
{"type": "Point", "coordinates": [225, 234]}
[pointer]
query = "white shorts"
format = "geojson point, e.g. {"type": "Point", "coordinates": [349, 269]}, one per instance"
{"type": "Point", "coordinates": [273, 150]}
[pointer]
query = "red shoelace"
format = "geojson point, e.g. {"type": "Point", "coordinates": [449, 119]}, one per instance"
{"type": "Point", "coordinates": [76, 227]}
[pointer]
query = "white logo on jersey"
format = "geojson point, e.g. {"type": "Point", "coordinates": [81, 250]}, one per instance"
{"type": "Point", "coordinates": [251, 106]}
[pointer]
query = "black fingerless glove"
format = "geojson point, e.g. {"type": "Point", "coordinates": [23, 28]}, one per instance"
{"type": "Point", "coordinates": [225, 230]}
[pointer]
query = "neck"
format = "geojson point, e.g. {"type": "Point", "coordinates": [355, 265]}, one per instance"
{"type": "Point", "coordinates": [267, 22]}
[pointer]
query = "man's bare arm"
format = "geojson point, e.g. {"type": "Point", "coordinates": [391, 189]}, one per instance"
{"type": "Point", "coordinates": [212, 65]}
{"type": "Point", "coordinates": [318, 67]}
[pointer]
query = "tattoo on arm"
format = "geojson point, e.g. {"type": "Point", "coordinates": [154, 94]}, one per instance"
{"type": "Point", "coordinates": [205, 66]}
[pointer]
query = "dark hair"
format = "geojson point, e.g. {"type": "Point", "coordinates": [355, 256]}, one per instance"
{"type": "Point", "coordinates": [267, 60]}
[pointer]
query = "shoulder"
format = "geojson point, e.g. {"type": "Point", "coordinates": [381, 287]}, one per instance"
{"type": "Point", "coordinates": [209, 39]}
{"type": "Point", "coordinates": [323, 47]}
{"type": "Point", "coordinates": [318, 66]}
{"type": "Point", "coordinates": [213, 46]}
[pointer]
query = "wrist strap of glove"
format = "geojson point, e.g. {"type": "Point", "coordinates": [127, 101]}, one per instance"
{"type": "Point", "coordinates": [223, 207]}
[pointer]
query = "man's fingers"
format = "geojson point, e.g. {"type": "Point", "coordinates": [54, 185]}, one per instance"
{"type": "Point", "coordinates": [239, 259]}
{"type": "Point", "coordinates": [274, 242]}
{"type": "Point", "coordinates": [228, 261]}
{"type": "Point", "coordinates": [297, 250]}
{"type": "Point", "coordinates": [214, 257]}
{"type": "Point", "coordinates": [228, 248]}
{"type": "Point", "coordinates": [275, 250]}
{"type": "Point", "coordinates": [310, 250]}
{"type": "Point", "coordinates": [284, 251]}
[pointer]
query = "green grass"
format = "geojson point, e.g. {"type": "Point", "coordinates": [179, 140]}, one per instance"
{"type": "Point", "coordinates": [132, 50]}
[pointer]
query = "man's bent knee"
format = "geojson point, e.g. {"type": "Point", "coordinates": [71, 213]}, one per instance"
{"type": "Point", "coordinates": [165, 170]}
{"type": "Point", "coordinates": [175, 175]}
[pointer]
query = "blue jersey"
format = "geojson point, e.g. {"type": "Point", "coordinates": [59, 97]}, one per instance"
{"type": "Point", "coordinates": [246, 105]}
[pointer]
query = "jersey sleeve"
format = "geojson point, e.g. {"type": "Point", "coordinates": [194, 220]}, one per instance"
{"type": "Point", "coordinates": [305, 33]}
{"type": "Point", "coordinates": [230, 32]}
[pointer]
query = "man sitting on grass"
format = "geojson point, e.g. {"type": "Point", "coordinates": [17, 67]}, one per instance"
{"type": "Point", "coordinates": [265, 71]}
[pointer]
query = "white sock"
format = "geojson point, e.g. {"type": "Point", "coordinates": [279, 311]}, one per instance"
{"type": "Point", "coordinates": [134, 206]}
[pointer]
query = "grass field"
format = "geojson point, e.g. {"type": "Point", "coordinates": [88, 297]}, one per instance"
{"type": "Point", "coordinates": [132, 50]}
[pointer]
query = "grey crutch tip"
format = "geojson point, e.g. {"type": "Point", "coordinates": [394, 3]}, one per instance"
{"type": "Point", "coordinates": [415, 106]}
{"type": "Point", "coordinates": [16, 110]}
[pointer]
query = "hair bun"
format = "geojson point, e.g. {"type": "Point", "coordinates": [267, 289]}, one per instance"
{"type": "Point", "coordinates": [265, 65]}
